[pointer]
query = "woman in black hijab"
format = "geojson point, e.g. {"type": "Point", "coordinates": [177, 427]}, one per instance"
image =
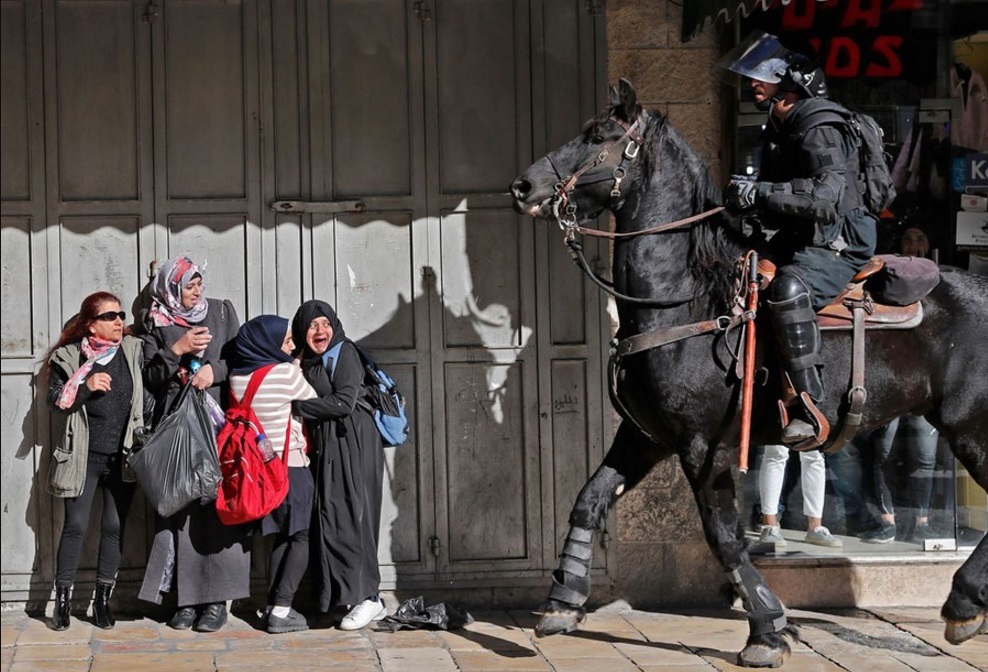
{"type": "Point", "coordinates": [348, 465]}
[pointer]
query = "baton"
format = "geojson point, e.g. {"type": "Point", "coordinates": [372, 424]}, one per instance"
{"type": "Point", "coordinates": [748, 384]}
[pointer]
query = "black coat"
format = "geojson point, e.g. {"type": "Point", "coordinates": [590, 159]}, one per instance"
{"type": "Point", "coordinates": [348, 465]}
{"type": "Point", "coordinates": [212, 560]}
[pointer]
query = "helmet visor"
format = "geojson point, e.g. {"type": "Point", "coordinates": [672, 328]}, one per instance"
{"type": "Point", "coordinates": [759, 56]}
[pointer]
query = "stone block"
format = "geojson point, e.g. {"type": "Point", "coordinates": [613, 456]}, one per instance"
{"type": "Point", "coordinates": [633, 24]}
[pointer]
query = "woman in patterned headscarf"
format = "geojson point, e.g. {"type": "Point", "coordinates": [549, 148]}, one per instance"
{"type": "Point", "coordinates": [190, 340]}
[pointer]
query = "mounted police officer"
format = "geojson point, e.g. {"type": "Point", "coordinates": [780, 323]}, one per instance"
{"type": "Point", "coordinates": [804, 208]}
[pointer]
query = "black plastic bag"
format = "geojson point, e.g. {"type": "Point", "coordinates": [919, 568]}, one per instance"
{"type": "Point", "coordinates": [415, 615]}
{"type": "Point", "coordinates": [179, 462]}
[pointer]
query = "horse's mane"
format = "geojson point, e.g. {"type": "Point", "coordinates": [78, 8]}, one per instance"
{"type": "Point", "coordinates": [714, 245]}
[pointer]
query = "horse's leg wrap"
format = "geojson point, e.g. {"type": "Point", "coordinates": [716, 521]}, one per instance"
{"type": "Point", "coordinates": [765, 611]}
{"type": "Point", "coordinates": [571, 582]}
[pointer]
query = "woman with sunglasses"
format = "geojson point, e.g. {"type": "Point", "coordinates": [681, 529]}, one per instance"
{"type": "Point", "coordinates": [190, 340]}
{"type": "Point", "coordinates": [97, 397]}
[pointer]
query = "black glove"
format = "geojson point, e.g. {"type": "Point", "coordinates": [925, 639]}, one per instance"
{"type": "Point", "coordinates": [740, 194]}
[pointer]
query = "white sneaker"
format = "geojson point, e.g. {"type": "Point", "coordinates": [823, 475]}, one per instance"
{"type": "Point", "coordinates": [772, 534]}
{"type": "Point", "coordinates": [362, 614]}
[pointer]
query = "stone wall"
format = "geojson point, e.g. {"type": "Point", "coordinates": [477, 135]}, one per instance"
{"type": "Point", "coordinates": [662, 557]}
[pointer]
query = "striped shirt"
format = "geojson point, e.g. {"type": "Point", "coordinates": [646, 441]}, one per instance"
{"type": "Point", "coordinates": [273, 407]}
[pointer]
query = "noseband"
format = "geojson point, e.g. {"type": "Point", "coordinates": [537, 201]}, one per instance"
{"type": "Point", "coordinates": [563, 206]}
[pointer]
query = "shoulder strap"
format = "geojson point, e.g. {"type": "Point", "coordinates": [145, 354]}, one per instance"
{"type": "Point", "coordinates": [334, 354]}
{"type": "Point", "coordinates": [255, 382]}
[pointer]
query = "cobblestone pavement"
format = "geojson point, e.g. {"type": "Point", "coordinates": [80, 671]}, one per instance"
{"type": "Point", "coordinates": [613, 639]}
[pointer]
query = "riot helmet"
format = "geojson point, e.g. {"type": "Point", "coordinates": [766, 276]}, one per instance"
{"type": "Point", "coordinates": [763, 57]}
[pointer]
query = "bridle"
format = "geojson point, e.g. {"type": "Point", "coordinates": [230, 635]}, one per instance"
{"type": "Point", "coordinates": [564, 208]}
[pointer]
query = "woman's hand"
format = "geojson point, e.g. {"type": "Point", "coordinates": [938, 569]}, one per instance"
{"type": "Point", "coordinates": [204, 378]}
{"type": "Point", "coordinates": [194, 340]}
{"type": "Point", "coordinates": [99, 382]}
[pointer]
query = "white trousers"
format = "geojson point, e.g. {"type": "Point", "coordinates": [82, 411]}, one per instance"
{"type": "Point", "coordinates": [813, 473]}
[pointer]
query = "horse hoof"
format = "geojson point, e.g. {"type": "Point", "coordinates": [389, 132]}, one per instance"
{"type": "Point", "coordinates": [958, 632]}
{"type": "Point", "coordinates": [769, 650]}
{"type": "Point", "coordinates": [559, 619]}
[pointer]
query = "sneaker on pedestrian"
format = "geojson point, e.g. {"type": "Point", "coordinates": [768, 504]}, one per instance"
{"type": "Point", "coordinates": [772, 534]}
{"type": "Point", "coordinates": [362, 614]}
{"type": "Point", "coordinates": [923, 532]}
{"type": "Point", "coordinates": [293, 622]}
{"type": "Point", "coordinates": [821, 537]}
{"type": "Point", "coordinates": [884, 534]}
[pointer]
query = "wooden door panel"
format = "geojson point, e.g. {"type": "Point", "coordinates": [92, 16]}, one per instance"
{"type": "Point", "coordinates": [375, 280]}
{"type": "Point", "coordinates": [479, 48]}
{"type": "Point", "coordinates": [373, 140]}
{"type": "Point", "coordinates": [15, 104]}
{"type": "Point", "coordinates": [205, 99]}
{"type": "Point", "coordinates": [99, 253]}
{"type": "Point", "coordinates": [487, 487]}
{"type": "Point", "coordinates": [17, 325]}
{"type": "Point", "coordinates": [97, 101]}
{"type": "Point", "coordinates": [482, 257]}
{"type": "Point", "coordinates": [218, 244]}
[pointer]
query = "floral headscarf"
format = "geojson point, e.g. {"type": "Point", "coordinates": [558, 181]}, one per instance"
{"type": "Point", "coordinates": [166, 295]}
{"type": "Point", "coordinates": [97, 351]}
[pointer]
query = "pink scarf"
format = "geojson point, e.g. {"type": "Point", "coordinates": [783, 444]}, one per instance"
{"type": "Point", "coordinates": [97, 351]}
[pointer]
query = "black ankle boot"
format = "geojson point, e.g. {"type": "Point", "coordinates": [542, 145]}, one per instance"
{"type": "Point", "coordinates": [60, 615]}
{"type": "Point", "coordinates": [102, 618]}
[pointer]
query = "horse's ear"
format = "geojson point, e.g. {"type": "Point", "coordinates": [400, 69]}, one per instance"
{"type": "Point", "coordinates": [628, 107]}
{"type": "Point", "coordinates": [614, 98]}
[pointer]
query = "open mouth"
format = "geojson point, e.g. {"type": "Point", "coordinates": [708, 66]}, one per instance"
{"type": "Point", "coordinates": [320, 341]}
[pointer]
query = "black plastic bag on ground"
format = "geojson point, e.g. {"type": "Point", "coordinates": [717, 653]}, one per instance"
{"type": "Point", "coordinates": [415, 615]}
{"type": "Point", "coordinates": [179, 462]}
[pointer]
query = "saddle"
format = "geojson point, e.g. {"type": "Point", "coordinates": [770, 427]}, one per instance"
{"type": "Point", "coordinates": [853, 309]}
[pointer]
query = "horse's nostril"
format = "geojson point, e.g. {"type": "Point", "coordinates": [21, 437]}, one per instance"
{"type": "Point", "coordinates": [521, 188]}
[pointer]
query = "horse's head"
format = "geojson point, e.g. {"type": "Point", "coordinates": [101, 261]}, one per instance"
{"type": "Point", "coordinates": [583, 177]}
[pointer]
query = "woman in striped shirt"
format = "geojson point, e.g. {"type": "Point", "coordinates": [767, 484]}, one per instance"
{"type": "Point", "coordinates": [264, 347]}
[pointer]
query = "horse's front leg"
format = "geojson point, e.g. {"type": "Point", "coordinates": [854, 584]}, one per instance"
{"type": "Point", "coordinates": [629, 459]}
{"type": "Point", "coordinates": [710, 474]}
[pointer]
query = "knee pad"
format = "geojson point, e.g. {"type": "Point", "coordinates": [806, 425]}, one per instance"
{"type": "Point", "coordinates": [787, 286]}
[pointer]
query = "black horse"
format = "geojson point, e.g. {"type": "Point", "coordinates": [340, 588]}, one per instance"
{"type": "Point", "coordinates": [683, 397]}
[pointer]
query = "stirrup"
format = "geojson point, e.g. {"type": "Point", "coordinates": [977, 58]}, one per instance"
{"type": "Point", "coordinates": [819, 422]}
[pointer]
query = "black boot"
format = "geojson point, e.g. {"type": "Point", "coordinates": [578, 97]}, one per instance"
{"type": "Point", "coordinates": [60, 615]}
{"type": "Point", "coordinates": [102, 618]}
{"type": "Point", "coordinates": [798, 336]}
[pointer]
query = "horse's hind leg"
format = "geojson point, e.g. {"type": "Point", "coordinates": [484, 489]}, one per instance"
{"type": "Point", "coordinates": [630, 458]}
{"type": "Point", "coordinates": [711, 477]}
{"type": "Point", "coordinates": [966, 608]}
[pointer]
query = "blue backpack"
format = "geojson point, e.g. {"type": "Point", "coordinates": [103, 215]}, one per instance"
{"type": "Point", "coordinates": [382, 398]}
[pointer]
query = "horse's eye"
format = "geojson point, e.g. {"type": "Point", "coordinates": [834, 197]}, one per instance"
{"type": "Point", "coordinates": [597, 138]}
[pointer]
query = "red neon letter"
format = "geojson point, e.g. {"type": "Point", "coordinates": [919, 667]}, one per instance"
{"type": "Point", "coordinates": [887, 46]}
{"type": "Point", "coordinates": [792, 20]}
{"type": "Point", "coordinates": [843, 46]}
{"type": "Point", "coordinates": [869, 18]}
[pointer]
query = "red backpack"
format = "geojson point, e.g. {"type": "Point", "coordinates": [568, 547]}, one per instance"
{"type": "Point", "coordinates": [251, 487]}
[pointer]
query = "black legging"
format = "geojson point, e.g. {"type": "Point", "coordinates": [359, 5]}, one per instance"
{"type": "Point", "coordinates": [102, 471]}
{"type": "Point", "coordinates": [289, 560]}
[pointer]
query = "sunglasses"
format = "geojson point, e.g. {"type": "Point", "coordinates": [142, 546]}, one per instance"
{"type": "Point", "coordinates": [111, 316]}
